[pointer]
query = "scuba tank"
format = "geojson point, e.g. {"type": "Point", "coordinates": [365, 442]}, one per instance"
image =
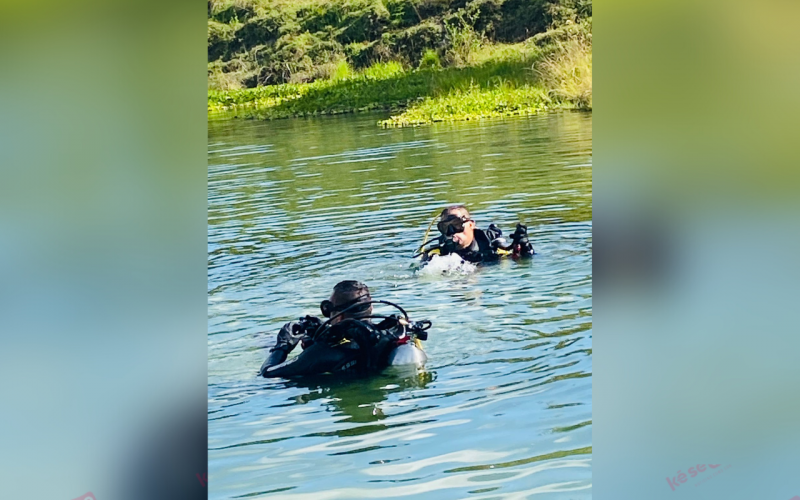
{"type": "Point", "coordinates": [408, 354]}
{"type": "Point", "coordinates": [409, 350]}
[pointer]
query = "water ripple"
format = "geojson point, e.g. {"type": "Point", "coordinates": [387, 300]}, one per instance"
{"type": "Point", "coordinates": [503, 409]}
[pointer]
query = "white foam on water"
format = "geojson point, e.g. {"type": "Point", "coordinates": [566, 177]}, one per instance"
{"type": "Point", "coordinates": [447, 265]}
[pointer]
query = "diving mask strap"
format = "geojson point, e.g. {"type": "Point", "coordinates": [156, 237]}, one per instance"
{"type": "Point", "coordinates": [328, 308]}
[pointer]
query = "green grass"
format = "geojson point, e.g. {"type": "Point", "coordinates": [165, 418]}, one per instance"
{"type": "Point", "coordinates": [561, 77]}
{"type": "Point", "coordinates": [566, 71]}
{"type": "Point", "coordinates": [381, 86]}
{"type": "Point", "coordinates": [343, 93]}
{"type": "Point", "coordinates": [267, 42]}
{"type": "Point", "coordinates": [423, 61]}
{"type": "Point", "coordinates": [501, 80]}
{"type": "Point", "coordinates": [473, 104]}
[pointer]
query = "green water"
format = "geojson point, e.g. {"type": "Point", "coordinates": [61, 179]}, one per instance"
{"type": "Point", "coordinates": [503, 408]}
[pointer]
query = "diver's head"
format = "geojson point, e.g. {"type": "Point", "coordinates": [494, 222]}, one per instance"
{"type": "Point", "coordinates": [456, 223]}
{"type": "Point", "coordinates": [352, 296]}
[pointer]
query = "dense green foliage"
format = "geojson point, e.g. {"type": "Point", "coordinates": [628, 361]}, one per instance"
{"type": "Point", "coordinates": [266, 42]}
{"type": "Point", "coordinates": [423, 60]}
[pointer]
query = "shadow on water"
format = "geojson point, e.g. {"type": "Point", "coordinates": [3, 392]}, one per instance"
{"type": "Point", "coordinates": [355, 398]}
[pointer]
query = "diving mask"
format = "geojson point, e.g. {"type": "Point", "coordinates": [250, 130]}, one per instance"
{"type": "Point", "coordinates": [452, 225]}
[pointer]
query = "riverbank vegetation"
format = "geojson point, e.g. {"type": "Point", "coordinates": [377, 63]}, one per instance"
{"type": "Point", "coordinates": [422, 60]}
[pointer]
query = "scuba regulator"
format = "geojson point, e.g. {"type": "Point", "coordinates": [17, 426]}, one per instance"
{"type": "Point", "coordinates": [403, 329]}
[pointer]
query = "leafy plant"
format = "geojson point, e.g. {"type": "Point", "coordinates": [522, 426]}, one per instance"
{"type": "Point", "coordinates": [430, 60]}
{"type": "Point", "coordinates": [463, 41]}
{"type": "Point", "coordinates": [342, 70]}
{"type": "Point", "coordinates": [566, 72]}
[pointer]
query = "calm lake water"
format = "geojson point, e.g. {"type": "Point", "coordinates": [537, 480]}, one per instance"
{"type": "Point", "coordinates": [504, 407]}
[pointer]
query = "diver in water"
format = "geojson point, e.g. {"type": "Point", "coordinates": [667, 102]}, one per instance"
{"type": "Point", "coordinates": [348, 341]}
{"type": "Point", "coordinates": [460, 236]}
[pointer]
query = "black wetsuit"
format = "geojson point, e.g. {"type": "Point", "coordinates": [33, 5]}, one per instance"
{"type": "Point", "coordinates": [486, 244]}
{"type": "Point", "coordinates": [350, 346]}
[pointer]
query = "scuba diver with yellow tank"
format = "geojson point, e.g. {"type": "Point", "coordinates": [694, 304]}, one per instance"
{"type": "Point", "coordinates": [347, 341]}
{"type": "Point", "coordinates": [459, 235]}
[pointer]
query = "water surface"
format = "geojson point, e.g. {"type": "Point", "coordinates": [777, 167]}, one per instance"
{"type": "Point", "coordinates": [503, 408]}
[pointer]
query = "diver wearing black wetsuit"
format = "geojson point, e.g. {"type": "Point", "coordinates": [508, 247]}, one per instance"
{"type": "Point", "coordinates": [349, 343]}
{"type": "Point", "coordinates": [460, 236]}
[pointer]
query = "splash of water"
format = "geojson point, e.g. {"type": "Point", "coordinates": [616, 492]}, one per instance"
{"type": "Point", "coordinates": [447, 265]}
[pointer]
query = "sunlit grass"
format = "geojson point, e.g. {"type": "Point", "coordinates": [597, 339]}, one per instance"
{"type": "Point", "coordinates": [380, 85]}
{"type": "Point", "coordinates": [474, 103]}
{"type": "Point", "coordinates": [567, 72]}
{"type": "Point", "coordinates": [561, 78]}
{"type": "Point", "coordinates": [346, 86]}
{"type": "Point", "coordinates": [504, 80]}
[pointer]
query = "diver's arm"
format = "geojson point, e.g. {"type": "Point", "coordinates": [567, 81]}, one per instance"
{"type": "Point", "coordinates": [522, 246]}
{"type": "Point", "coordinates": [317, 359]}
{"type": "Point", "coordinates": [288, 338]}
{"type": "Point", "coordinates": [496, 239]}
{"type": "Point", "coordinates": [321, 356]}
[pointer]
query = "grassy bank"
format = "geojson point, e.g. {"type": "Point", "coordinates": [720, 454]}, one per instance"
{"type": "Point", "coordinates": [549, 70]}
{"type": "Point", "coordinates": [421, 60]}
{"type": "Point", "coordinates": [558, 76]}
{"type": "Point", "coordinates": [254, 43]}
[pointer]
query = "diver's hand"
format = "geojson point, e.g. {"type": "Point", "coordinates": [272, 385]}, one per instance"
{"type": "Point", "coordinates": [288, 337]}
{"type": "Point", "coordinates": [520, 237]}
{"type": "Point", "coordinates": [310, 324]}
{"type": "Point", "coordinates": [521, 232]}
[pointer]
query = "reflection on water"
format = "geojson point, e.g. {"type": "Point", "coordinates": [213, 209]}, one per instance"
{"type": "Point", "coordinates": [503, 408]}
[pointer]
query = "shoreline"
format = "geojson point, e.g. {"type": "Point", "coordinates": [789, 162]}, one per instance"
{"type": "Point", "coordinates": [502, 80]}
